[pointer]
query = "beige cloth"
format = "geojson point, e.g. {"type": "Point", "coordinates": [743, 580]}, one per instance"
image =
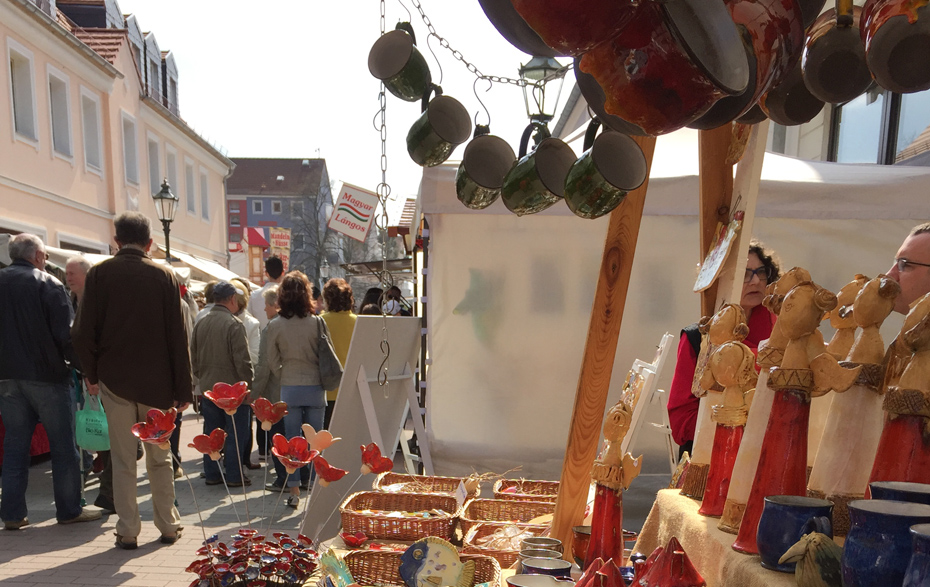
{"type": "Point", "coordinates": [121, 415]}
{"type": "Point", "coordinates": [292, 346]}
{"type": "Point", "coordinates": [709, 549]}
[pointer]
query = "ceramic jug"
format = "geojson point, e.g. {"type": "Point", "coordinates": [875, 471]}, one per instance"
{"type": "Point", "coordinates": [878, 546]}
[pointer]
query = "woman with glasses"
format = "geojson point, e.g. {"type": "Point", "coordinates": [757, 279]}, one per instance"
{"type": "Point", "coordinates": [761, 269]}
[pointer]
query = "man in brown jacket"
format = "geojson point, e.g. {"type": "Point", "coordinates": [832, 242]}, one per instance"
{"type": "Point", "coordinates": [220, 354]}
{"type": "Point", "coordinates": [129, 336]}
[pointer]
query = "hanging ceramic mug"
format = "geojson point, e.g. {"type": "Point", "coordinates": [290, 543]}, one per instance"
{"type": "Point", "coordinates": [593, 94]}
{"type": "Point", "coordinates": [443, 125]}
{"type": "Point", "coordinates": [480, 177]}
{"type": "Point", "coordinates": [897, 43]}
{"type": "Point", "coordinates": [514, 29]}
{"type": "Point", "coordinates": [833, 62]}
{"type": "Point", "coordinates": [785, 519]}
{"type": "Point", "coordinates": [611, 166]}
{"type": "Point", "coordinates": [571, 27]}
{"type": "Point", "coordinates": [537, 181]}
{"type": "Point", "coordinates": [790, 103]}
{"type": "Point", "coordinates": [394, 60]}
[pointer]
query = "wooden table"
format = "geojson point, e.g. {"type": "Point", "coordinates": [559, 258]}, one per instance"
{"type": "Point", "coordinates": [708, 548]}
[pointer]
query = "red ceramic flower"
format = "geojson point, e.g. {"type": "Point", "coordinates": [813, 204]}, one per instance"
{"type": "Point", "coordinates": [373, 462]}
{"type": "Point", "coordinates": [268, 413]}
{"type": "Point", "coordinates": [293, 454]}
{"type": "Point", "coordinates": [157, 427]}
{"type": "Point", "coordinates": [354, 540]}
{"type": "Point", "coordinates": [210, 445]}
{"type": "Point", "coordinates": [228, 397]}
{"type": "Point", "coordinates": [327, 472]}
{"type": "Point", "coordinates": [318, 440]}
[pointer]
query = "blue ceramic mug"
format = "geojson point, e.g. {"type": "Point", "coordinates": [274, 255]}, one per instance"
{"type": "Point", "coordinates": [900, 491]}
{"type": "Point", "coordinates": [878, 546]}
{"type": "Point", "coordinates": [785, 519]}
{"type": "Point", "coordinates": [918, 572]}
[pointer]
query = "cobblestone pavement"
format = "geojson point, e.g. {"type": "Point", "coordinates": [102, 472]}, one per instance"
{"type": "Point", "coordinates": [46, 553]}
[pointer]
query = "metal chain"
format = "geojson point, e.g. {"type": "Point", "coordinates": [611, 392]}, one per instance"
{"type": "Point", "coordinates": [384, 191]}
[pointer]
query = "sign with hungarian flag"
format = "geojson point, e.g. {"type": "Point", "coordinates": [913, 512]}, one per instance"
{"type": "Point", "coordinates": [354, 212]}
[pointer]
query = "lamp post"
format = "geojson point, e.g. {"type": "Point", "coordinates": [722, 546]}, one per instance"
{"type": "Point", "coordinates": [324, 271]}
{"type": "Point", "coordinates": [166, 204]}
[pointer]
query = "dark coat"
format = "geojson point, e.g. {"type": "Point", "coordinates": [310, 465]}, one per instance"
{"type": "Point", "coordinates": [35, 317]}
{"type": "Point", "coordinates": [129, 331]}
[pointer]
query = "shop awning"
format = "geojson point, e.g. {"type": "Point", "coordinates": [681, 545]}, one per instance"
{"type": "Point", "coordinates": [256, 237]}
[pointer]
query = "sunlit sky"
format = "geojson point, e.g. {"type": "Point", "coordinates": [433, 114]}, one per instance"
{"type": "Point", "coordinates": [290, 78]}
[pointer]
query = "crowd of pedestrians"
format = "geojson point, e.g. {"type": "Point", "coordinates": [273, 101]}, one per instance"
{"type": "Point", "coordinates": [127, 331]}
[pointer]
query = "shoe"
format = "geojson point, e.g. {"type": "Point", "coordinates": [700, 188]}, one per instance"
{"type": "Point", "coordinates": [293, 501]}
{"type": "Point", "coordinates": [262, 459]}
{"type": "Point", "coordinates": [252, 466]}
{"type": "Point", "coordinates": [85, 516]}
{"type": "Point", "coordinates": [275, 487]}
{"type": "Point", "coordinates": [166, 539]}
{"type": "Point", "coordinates": [214, 481]}
{"type": "Point", "coordinates": [15, 524]}
{"type": "Point", "coordinates": [126, 544]}
{"type": "Point", "coordinates": [305, 486]}
{"type": "Point", "coordinates": [178, 473]}
{"type": "Point", "coordinates": [105, 504]}
{"type": "Point", "coordinates": [245, 481]}
{"type": "Point", "coordinates": [98, 464]}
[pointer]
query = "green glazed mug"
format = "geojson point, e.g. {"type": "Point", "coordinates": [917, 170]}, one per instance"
{"type": "Point", "coordinates": [395, 61]}
{"type": "Point", "coordinates": [611, 166]}
{"type": "Point", "coordinates": [480, 177]}
{"type": "Point", "coordinates": [537, 180]}
{"type": "Point", "coordinates": [443, 125]}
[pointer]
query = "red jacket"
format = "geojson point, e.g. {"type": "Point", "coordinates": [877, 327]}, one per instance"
{"type": "Point", "coordinates": [682, 404]}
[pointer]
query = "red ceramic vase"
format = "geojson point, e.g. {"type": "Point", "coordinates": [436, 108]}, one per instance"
{"type": "Point", "coordinates": [571, 27]}
{"type": "Point", "coordinates": [606, 540]}
{"type": "Point", "coordinates": [726, 445]}
{"type": "Point", "coordinates": [903, 451]}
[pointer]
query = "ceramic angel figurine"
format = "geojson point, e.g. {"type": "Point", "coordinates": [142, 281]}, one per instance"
{"type": "Point", "coordinates": [772, 351]}
{"type": "Point", "coordinates": [806, 370]}
{"type": "Point", "coordinates": [854, 424]}
{"type": "Point", "coordinates": [727, 325]}
{"type": "Point", "coordinates": [733, 367]}
{"type": "Point", "coordinates": [612, 473]}
{"type": "Point", "coordinates": [841, 318]}
{"type": "Point", "coordinates": [904, 449]}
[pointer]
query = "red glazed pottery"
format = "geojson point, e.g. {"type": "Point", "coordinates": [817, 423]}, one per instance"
{"type": "Point", "coordinates": [833, 63]}
{"type": "Point", "coordinates": [790, 103]}
{"type": "Point", "coordinates": [514, 29]}
{"type": "Point", "coordinates": [571, 27]}
{"type": "Point", "coordinates": [897, 43]}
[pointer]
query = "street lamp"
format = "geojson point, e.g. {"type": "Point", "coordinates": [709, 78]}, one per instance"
{"type": "Point", "coordinates": [324, 271]}
{"type": "Point", "coordinates": [538, 72]}
{"type": "Point", "coordinates": [166, 204]}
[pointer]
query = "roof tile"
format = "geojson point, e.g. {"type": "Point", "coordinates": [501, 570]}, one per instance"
{"type": "Point", "coordinates": [105, 42]}
{"type": "Point", "coordinates": [260, 177]}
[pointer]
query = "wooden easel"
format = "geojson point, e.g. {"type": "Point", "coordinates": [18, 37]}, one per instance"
{"type": "Point", "coordinates": [610, 301]}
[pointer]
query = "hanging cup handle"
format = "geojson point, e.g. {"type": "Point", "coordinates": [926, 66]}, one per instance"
{"type": "Point", "coordinates": [539, 129]}
{"type": "Point", "coordinates": [481, 129]}
{"type": "Point", "coordinates": [408, 28]}
{"type": "Point", "coordinates": [844, 13]}
{"type": "Point", "coordinates": [591, 133]}
{"type": "Point", "coordinates": [426, 96]}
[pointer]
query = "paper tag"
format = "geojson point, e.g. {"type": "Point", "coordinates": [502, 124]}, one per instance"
{"type": "Point", "coordinates": [461, 494]}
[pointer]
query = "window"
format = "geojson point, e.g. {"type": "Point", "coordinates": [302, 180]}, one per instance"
{"type": "Point", "coordinates": [276, 206]}
{"type": "Point", "coordinates": [90, 119]}
{"type": "Point", "coordinates": [22, 87]}
{"type": "Point", "coordinates": [155, 175]}
{"type": "Point", "coordinates": [234, 220]}
{"type": "Point", "coordinates": [914, 121]}
{"type": "Point", "coordinates": [235, 237]}
{"type": "Point", "coordinates": [154, 79]}
{"type": "Point", "coordinates": [130, 150]}
{"type": "Point", "coordinates": [171, 168]}
{"type": "Point", "coordinates": [858, 126]}
{"type": "Point", "coordinates": [204, 196]}
{"type": "Point", "coordinates": [59, 107]}
{"type": "Point", "coordinates": [256, 206]}
{"type": "Point", "coordinates": [297, 209]}
{"type": "Point", "coordinates": [234, 206]}
{"type": "Point", "coordinates": [189, 189]}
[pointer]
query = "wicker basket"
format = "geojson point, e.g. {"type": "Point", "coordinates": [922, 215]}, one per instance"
{"type": "Point", "coordinates": [379, 568]}
{"type": "Point", "coordinates": [527, 490]}
{"type": "Point", "coordinates": [503, 510]}
{"type": "Point", "coordinates": [506, 558]}
{"type": "Point", "coordinates": [395, 528]}
{"type": "Point", "coordinates": [424, 484]}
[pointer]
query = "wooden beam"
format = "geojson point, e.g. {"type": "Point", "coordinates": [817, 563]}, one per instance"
{"type": "Point", "coordinates": [597, 364]}
{"type": "Point", "coordinates": [716, 190]}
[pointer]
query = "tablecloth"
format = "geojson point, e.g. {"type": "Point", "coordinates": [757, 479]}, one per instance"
{"type": "Point", "coordinates": [708, 548]}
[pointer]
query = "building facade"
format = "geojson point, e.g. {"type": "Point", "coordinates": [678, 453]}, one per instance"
{"type": "Point", "coordinates": [91, 127]}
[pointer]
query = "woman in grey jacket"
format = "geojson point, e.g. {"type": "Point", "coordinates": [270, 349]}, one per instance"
{"type": "Point", "coordinates": [292, 354]}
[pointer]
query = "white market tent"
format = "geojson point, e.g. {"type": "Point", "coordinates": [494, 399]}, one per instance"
{"type": "Point", "coordinates": [510, 298]}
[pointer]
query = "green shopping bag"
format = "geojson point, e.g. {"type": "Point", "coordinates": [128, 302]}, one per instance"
{"type": "Point", "coordinates": [90, 423]}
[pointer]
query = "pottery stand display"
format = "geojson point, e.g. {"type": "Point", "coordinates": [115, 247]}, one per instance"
{"type": "Point", "coordinates": [732, 366]}
{"type": "Point", "coordinates": [770, 355]}
{"type": "Point", "coordinates": [783, 460]}
{"type": "Point", "coordinates": [878, 547]}
{"type": "Point", "coordinates": [853, 428]}
{"type": "Point", "coordinates": [612, 473]}
{"type": "Point", "coordinates": [904, 449]}
{"type": "Point", "coordinates": [727, 325]}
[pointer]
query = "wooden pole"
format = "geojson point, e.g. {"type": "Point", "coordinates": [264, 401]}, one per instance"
{"type": "Point", "coordinates": [716, 189]}
{"type": "Point", "coordinates": [597, 364]}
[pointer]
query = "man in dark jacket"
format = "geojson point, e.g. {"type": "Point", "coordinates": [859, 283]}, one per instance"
{"type": "Point", "coordinates": [129, 336]}
{"type": "Point", "coordinates": [35, 315]}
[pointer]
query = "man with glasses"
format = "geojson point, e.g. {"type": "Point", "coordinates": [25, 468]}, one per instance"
{"type": "Point", "coordinates": [911, 268]}
{"type": "Point", "coordinates": [35, 346]}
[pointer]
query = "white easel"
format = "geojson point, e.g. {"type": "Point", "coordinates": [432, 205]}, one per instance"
{"type": "Point", "coordinates": [649, 395]}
